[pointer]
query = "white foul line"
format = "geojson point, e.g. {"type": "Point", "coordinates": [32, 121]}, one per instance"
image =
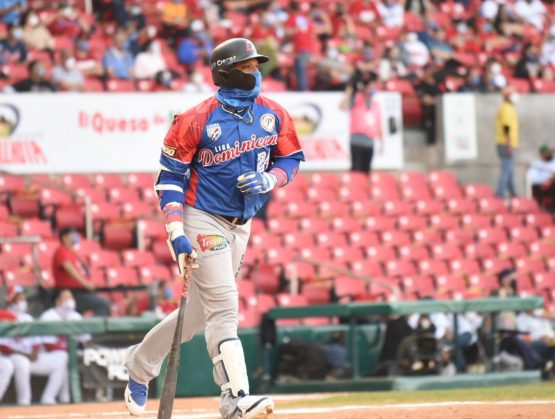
{"type": "Point", "coordinates": [183, 414]}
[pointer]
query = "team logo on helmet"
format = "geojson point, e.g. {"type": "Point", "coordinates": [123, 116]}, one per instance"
{"type": "Point", "coordinates": [214, 131]}
{"type": "Point", "coordinates": [268, 122]}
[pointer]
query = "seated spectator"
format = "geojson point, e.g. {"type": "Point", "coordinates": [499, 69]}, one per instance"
{"type": "Point", "coordinates": [150, 62]}
{"type": "Point", "coordinates": [541, 176]}
{"type": "Point", "coordinates": [365, 12]}
{"type": "Point", "coordinates": [118, 60]}
{"type": "Point", "coordinates": [37, 81]}
{"type": "Point", "coordinates": [71, 273]}
{"type": "Point", "coordinates": [66, 76]}
{"type": "Point", "coordinates": [129, 11]}
{"type": "Point", "coordinates": [548, 48]}
{"type": "Point", "coordinates": [542, 336]}
{"type": "Point", "coordinates": [323, 24]}
{"type": "Point", "coordinates": [333, 70]}
{"type": "Point", "coordinates": [11, 10]}
{"type": "Point", "coordinates": [507, 283]}
{"type": "Point", "coordinates": [12, 49]}
{"type": "Point", "coordinates": [489, 9]}
{"type": "Point", "coordinates": [391, 66]}
{"type": "Point", "coordinates": [436, 41]}
{"type": "Point", "coordinates": [29, 358]}
{"type": "Point", "coordinates": [414, 52]}
{"type": "Point", "coordinates": [174, 18]}
{"type": "Point", "coordinates": [392, 13]}
{"type": "Point", "coordinates": [472, 81]}
{"type": "Point", "coordinates": [493, 80]}
{"type": "Point", "coordinates": [366, 60]}
{"type": "Point", "coordinates": [531, 12]}
{"type": "Point", "coordinates": [197, 83]}
{"type": "Point", "coordinates": [528, 65]}
{"type": "Point", "coordinates": [189, 52]}
{"type": "Point", "coordinates": [85, 61]}
{"type": "Point", "coordinates": [68, 21]}
{"type": "Point", "coordinates": [343, 26]}
{"type": "Point", "coordinates": [35, 33]}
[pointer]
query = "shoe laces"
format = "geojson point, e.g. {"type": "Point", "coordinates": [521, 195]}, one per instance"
{"type": "Point", "coordinates": [139, 392]}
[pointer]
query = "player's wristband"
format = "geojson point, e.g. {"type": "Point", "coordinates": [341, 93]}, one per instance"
{"type": "Point", "coordinates": [173, 212]}
{"type": "Point", "coordinates": [280, 175]}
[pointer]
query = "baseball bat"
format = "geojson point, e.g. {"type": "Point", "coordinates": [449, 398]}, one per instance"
{"type": "Point", "coordinates": [172, 369]}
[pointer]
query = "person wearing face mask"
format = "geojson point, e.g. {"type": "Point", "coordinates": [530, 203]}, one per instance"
{"type": "Point", "coordinates": [12, 49]}
{"type": "Point", "coordinates": [366, 120]}
{"type": "Point", "coordinates": [507, 141]}
{"type": "Point", "coordinates": [71, 273]}
{"type": "Point", "coordinates": [66, 76]}
{"type": "Point", "coordinates": [218, 165]}
{"type": "Point", "coordinates": [37, 81]}
{"type": "Point", "coordinates": [35, 33]}
{"type": "Point", "coordinates": [541, 177]}
{"type": "Point", "coordinates": [149, 62]}
{"type": "Point", "coordinates": [29, 358]}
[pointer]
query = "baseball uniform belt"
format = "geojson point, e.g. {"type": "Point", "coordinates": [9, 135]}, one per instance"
{"type": "Point", "coordinates": [235, 220]}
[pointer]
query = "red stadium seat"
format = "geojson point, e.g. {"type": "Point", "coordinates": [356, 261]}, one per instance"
{"type": "Point", "coordinates": [122, 275]}
{"type": "Point", "coordinates": [123, 194]}
{"type": "Point", "coordinates": [383, 179]}
{"type": "Point", "coordinates": [298, 240]}
{"type": "Point", "coordinates": [246, 288]}
{"type": "Point", "coordinates": [449, 284]}
{"type": "Point", "coordinates": [384, 193]}
{"type": "Point", "coordinates": [137, 258]}
{"type": "Point", "coordinates": [350, 289]}
{"type": "Point", "coordinates": [331, 209]}
{"type": "Point", "coordinates": [352, 193]}
{"type": "Point", "coordinates": [548, 234]}
{"type": "Point", "coordinates": [10, 262]}
{"type": "Point", "coordinates": [9, 229]}
{"type": "Point", "coordinates": [528, 264]}
{"type": "Point", "coordinates": [446, 251]}
{"type": "Point", "coordinates": [331, 239]}
{"type": "Point", "coordinates": [539, 219]}
{"type": "Point", "coordinates": [302, 270]}
{"type": "Point", "coordinates": [104, 259]}
{"type": "Point", "coordinates": [367, 267]}
{"type": "Point", "coordinates": [154, 273]}
{"type": "Point", "coordinates": [327, 180]}
{"type": "Point", "coordinates": [36, 227]}
{"type": "Point", "coordinates": [480, 251]}
{"type": "Point", "coordinates": [447, 192]}
{"type": "Point", "coordinates": [396, 238]}
{"type": "Point", "coordinates": [380, 223]}
{"type": "Point", "coordinates": [346, 224]}
{"type": "Point", "coordinates": [381, 253]}
{"type": "Point", "coordinates": [413, 179]}
{"type": "Point", "coordinates": [107, 181]}
{"type": "Point", "coordinates": [399, 268]}
{"type": "Point", "coordinates": [24, 206]}
{"type": "Point", "coordinates": [427, 237]}
{"type": "Point", "coordinates": [346, 254]}
{"type": "Point", "coordinates": [134, 210]}
{"type": "Point", "coordinates": [118, 236]}
{"type": "Point", "coordinates": [288, 195]}
{"type": "Point", "coordinates": [522, 205]}
{"type": "Point", "coordinates": [75, 181]}
{"type": "Point", "coordinates": [511, 250]}
{"type": "Point", "coordinates": [316, 294]}
{"type": "Point", "coordinates": [542, 249]}
{"type": "Point", "coordinates": [312, 225]}
{"type": "Point", "coordinates": [412, 222]}
{"type": "Point", "coordinates": [161, 252]}
{"type": "Point", "coordinates": [249, 317]}
{"type": "Point", "coordinates": [414, 252]}
{"type": "Point", "coordinates": [433, 267]}
{"type": "Point", "coordinates": [397, 208]}
{"type": "Point", "coordinates": [507, 221]}
{"type": "Point", "coordinates": [465, 267]}
{"type": "Point", "coordinates": [72, 215]}
{"type": "Point", "coordinates": [492, 266]}
{"type": "Point", "coordinates": [474, 222]}
{"type": "Point", "coordinates": [477, 191]}
{"type": "Point", "coordinates": [442, 178]}
{"type": "Point", "coordinates": [422, 286]}
{"type": "Point", "coordinates": [444, 222]}
{"type": "Point", "coordinates": [429, 207]}
{"type": "Point", "coordinates": [461, 206]}
{"type": "Point", "coordinates": [290, 300]}
{"type": "Point", "coordinates": [4, 212]}
{"type": "Point", "coordinates": [363, 238]}
{"type": "Point", "coordinates": [266, 278]}
{"type": "Point", "coordinates": [523, 234]}
{"type": "Point", "coordinates": [491, 235]}
{"type": "Point", "coordinates": [544, 280]}
{"type": "Point", "coordinates": [492, 206]}
{"type": "Point", "coordinates": [415, 193]}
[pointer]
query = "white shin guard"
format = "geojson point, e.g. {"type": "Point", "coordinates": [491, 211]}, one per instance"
{"type": "Point", "coordinates": [233, 361]}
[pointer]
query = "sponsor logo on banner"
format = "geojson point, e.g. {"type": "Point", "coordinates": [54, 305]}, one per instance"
{"type": "Point", "coordinates": [214, 131]}
{"type": "Point", "coordinates": [212, 242]}
{"type": "Point", "coordinates": [208, 157]}
{"type": "Point", "coordinates": [105, 123]}
{"type": "Point", "coordinates": [268, 122]}
{"type": "Point", "coordinates": [15, 148]}
{"type": "Point", "coordinates": [169, 151]}
{"type": "Point", "coordinates": [111, 359]}
{"type": "Point", "coordinates": [307, 118]}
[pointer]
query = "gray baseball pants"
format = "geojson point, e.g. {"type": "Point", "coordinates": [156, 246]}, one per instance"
{"type": "Point", "coordinates": [212, 300]}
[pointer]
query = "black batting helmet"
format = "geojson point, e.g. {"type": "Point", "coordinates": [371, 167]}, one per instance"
{"type": "Point", "coordinates": [228, 53]}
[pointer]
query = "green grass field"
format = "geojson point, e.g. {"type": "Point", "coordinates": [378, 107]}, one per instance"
{"type": "Point", "coordinates": [541, 391]}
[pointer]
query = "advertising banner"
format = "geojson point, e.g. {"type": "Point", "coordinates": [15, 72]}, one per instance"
{"type": "Point", "coordinates": [85, 133]}
{"type": "Point", "coordinates": [459, 121]}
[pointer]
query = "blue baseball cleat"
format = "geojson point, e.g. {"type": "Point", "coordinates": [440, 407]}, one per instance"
{"type": "Point", "coordinates": [136, 395]}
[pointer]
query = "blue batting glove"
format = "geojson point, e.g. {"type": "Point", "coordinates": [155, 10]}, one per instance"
{"type": "Point", "coordinates": [253, 183]}
{"type": "Point", "coordinates": [181, 250]}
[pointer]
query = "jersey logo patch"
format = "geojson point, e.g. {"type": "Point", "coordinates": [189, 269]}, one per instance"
{"type": "Point", "coordinates": [169, 151]}
{"type": "Point", "coordinates": [268, 122]}
{"type": "Point", "coordinates": [212, 242]}
{"type": "Point", "coordinates": [214, 131]}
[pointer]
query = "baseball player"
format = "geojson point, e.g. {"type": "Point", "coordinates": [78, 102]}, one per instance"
{"type": "Point", "coordinates": [219, 162]}
{"type": "Point", "coordinates": [27, 357]}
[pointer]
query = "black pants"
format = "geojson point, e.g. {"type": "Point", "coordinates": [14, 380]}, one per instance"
{"type": "Point", "coordinates": [361, 158]}
{"type": "Point", "coordinates": [88, 300]}
{"type": "Point", "coordinates": [408, 6]}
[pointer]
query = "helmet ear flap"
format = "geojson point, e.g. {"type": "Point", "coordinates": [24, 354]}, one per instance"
{"type": "Point", "coordinates": [237, 79]}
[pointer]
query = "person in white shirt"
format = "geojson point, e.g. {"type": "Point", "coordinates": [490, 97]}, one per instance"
{"type": "Point", "coordinates": [27, 357]}
{"type": "Point", "coordinates": [489, 9]}
{"type": "Point", "coordinates": [392, 13]}
{"type": "Point", "coordinates": [548, 48]}
{"type": "Point", "coordinates": [541, 177]}
{"type": "Point", "coordinates": [149, 62]}
{"type": "Point", "coordinates": [414, 52]}
{"type": "Point", "coordinates": [64, 309]}
{"type": "Point", "coordinates": [542, 335]}
{"type": "Point", "coordinates": [531, 11]}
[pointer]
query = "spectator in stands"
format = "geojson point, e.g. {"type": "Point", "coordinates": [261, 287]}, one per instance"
{"type": "Point", "coordinates": [150, 62]}
{"type": "Point", "coordinates": [28, 356]}
{"type": "Point", "coordinates": [365, 12]}
{"type": "Point", "coordinates": [507, 283]}
{"type": "Point", "coordinates": [174, 18]}
{"type": "Point", "coordinates": [343, 25]}
{"type": "Point", "coordinates": [126, 12]}
{"type": "Point", "coordinates": [118, 60]}
{"type": "Point", "coordinates": [189, 52]}
{"type": "Point", "coordinates": [468, 325]}
{"type": "Point", "coordinates": [365, 117]}
{"type": "Point", "coordinates": [421, 3]}
{"type": "Point", "coordinates": [392, 13]}
{"type": "Point", "coordinates": [35, 33]}
{"type": "Point", "coordinates": [66, 76]}
{"type": "Point", "coordinates": [528, 65]}
{"type": "Point", "coordinates": [37, 82]}
{"type": "Point", "coordinates": [11, 10]}
{"type": "Point", "coordinates": [541, 177]}
{"type": "Point", "coordinates": [436, 41]}
{"type": "Point", "coordinates": [301, 31]}
{"type": "Point", "coordinates": [85, 61]}
{"type": "Point", "coordinates": [64, 309]}
{"type": "Point", "coordinates": [414, 52]}
{"type": "Point", "coordinates": [391, 66]}
{"type": "Point", "coordinates": [542, 336]}
{"type": "Point", "coordinates": [396, 330]}
{"type": "Point", "coordinates": [548, 48]}
{"type": "Point", "coordinates": [493, 80]}
{"type": "Point", "coordinates": [333, 70]}
{"type": "Point", "coordinates": [68, 22]}
{"type": "Point", "coordinates": [531, 12]}
{"type": "Point", "coordinates": [196, 83]}
{"type": "Point", "coordinates": [472, 81]}
{"type": "Point", "coordinates": [366, 60]}
{"type": "Point", "coordinates": [323, 24]}
{"type": "Point", "coordinates": [71, 273]}
{"type": "Point", "coordinates": [428, 91]}
{"type": "Point", "coordinates": [12, 49]}
{"type": "Point", "coordinates": [507, 141]}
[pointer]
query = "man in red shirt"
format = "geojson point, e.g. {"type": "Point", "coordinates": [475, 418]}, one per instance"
{"type": "Point", "coordinates": [71, 273]}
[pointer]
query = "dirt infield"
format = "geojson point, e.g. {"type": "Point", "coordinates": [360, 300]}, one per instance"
{"type": "Point", "coordinates": [206, 408]}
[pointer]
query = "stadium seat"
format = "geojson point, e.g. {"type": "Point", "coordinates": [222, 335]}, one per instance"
{"type": "Point", "coordinates": [137, 258]}
{"type": "Point", "coordinates": [75, 181]}
{"type": "Point", "coordinates": [394, 208]}
{"type": "Point", "coordinates": [316, 294]}
{"type": "Point", "coordinates": [354, 180]}
{"type": "Point", "coordinates": [433, 267]}
{"type": "Point", "coordinates": [492, 266]}
{"type": "Point", "coordinates": [320, 194]}
{"type": "Point", "coordinates": [363, 238]}
{"type": "Point", "coordinates": [26, 206]}
{"type": "Point", "coordinates": [380, 223]}
{"type": "Point", "coordinates": [22, 277]}
{"type": "Point", "coordinates": [414, 252]}
{"type": "Point", "coordinates": [368, 267]}
{"type": "Point", "coordinates": [539, 219]}
{"type": "Point", "coordinates": [421, 286]}
{"type": "Point", "coordinates": [362, 209]}
{"type": "Point", "coordinates": [298, 240]}
{"type": "Point", "coordinates": [491, 206]}
{"type": "Point", "coordinates": [345, 224]}
{"type": "Point", "coordinates": [300, 270]}
{"type": "Point", "coordinates": [479, 251]}
{"type": "Point", "coordinates": [542, 249]}
{"type": "Point", "coordinates": [36, 227]}
{"type": "Point", "coordinates": [246, 288]}
{"type": "Point", "coordinates": [332, 209]}
{"type": "Point", "coordinates": [134, 210]}
{"type": "Point", "coordinates": [122, 275]}
{"type": "Point", "coordinates": [442, 178]}
{"type": "Point", "coordinates": [523, 234]}
{"type": "Point", "coordinates": [107, 181]}
{"type": "Point", "coordinates": [11, 184]}
{"type": "Point", "coordinates": [10, 262]}
{"type": "Point", "coordinates": [544, 280]}
{"type": "Point", "coordinates": [282, 225]}
{"type": "Point", "coordinates": [352, 193]}
{"type": "Point", "coordinates": [118, 236]}
{"type": "Point", "coordinates": [511, 250]}
{"type": "Point", "coordinates": [447, 192]}
{"type": "Point", "coordinates": [396, 238]}
{"type": "Point", "coordinates": [429, 207]}
{"type": "Point", "coordinates": [383, 179]}
{"type": "Point", "coordinates": [529, 264]}
{"type": "Point", "coordinates": [461, 206]}
{"type": "Point", "coordinates": [412, 222]}
{"type": "Point", "coordinates": [300, 209]}
{"type": "Point", "coordinates": [104, 259]}
{"type": "Point", "coordinates": [150, 274]}
{"type": "Point", "coordinates": [449, 284]}
{"type": "Point", "coordinates": [346, 254]}
{"type": "Point", "coordinates": [446, 251]}
{"type": "Point", "coordinates": [399, 268]}
{"type": "Point", "coordinates": [290, 300]}
{"type": "Point", "coordinates": [9, 229]}
{"type": "Point", "coordinates": [507, 220]}
{"type": "Point", "coordinates": [474, 222]}
{"type": "Point", "coordinates": [443, 221]}
{"type": "Point", "coordinates": [311, 225]}
{"type": "Point", "coordinates": [491, 235]}
{"type": "Point", "coordinates": [249, 317]}
{"type": "Point", "coordinates": [4, 212]}
{"type": "Point", "coordinates": [266, 278]}
{"type": "Point", "coordinates": [379, 192]}
{"type": "Point", "coordinates": [522, 205]}
{"type": "Point", "coordinates": [350, 289]}
{"type": "Point", "coordinates": [477, 191]}
{"type": "Point", "coordinates": [331, 239]}
{"type": "Point", "coordinates": [161, 252]}
{"type": "Point", "coordinates": [123, 194]}
{"type": "Point", "coordinates": [484, 283]}
{"type": "Point", "coordinates": [548, 233]}
{"type": "Point", "coordinates": [465, 267]}
{"type": "Point", "coordinates": [427, 237]}
{"type": "Point", "coordinates": [326, 180]}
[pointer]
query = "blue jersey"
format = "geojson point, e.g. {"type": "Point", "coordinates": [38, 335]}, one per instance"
{"type": "Point", "coordinates": [217, 146]}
